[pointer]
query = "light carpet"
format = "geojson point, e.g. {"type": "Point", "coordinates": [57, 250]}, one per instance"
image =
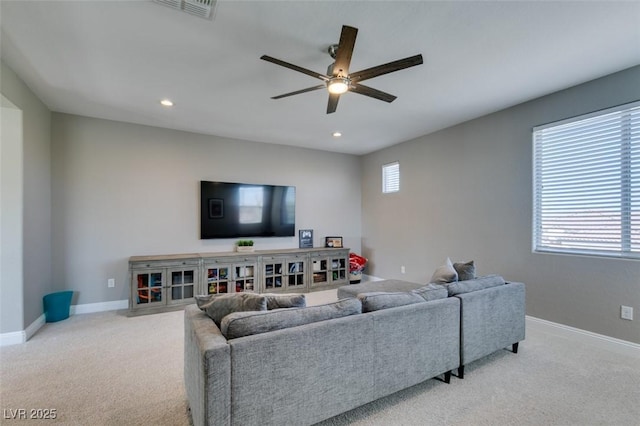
{"type": "Point", "coordinates": [109, 369]}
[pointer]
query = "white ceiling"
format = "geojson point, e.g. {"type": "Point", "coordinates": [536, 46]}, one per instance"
{"type": "Point", "coordinates": [117, 59]}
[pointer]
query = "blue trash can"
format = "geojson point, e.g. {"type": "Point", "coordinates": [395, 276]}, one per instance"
{"type": "Point", "coordinates": [57, 305]}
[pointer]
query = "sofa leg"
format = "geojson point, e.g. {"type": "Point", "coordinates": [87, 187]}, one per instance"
{"type": "Point", "coordinates": [515, 347]}
{"type": "Point", "coordinates": [461, 372]}
{"type": "Point", "coordinates": [446, 377]}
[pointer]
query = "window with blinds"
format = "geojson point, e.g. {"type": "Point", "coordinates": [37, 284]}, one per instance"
{"type": "Point", "coordinates": [586, 178]}
{"type": "Point", "coordinates": [391, 177]}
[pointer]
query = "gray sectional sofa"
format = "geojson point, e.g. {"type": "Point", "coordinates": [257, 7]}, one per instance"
{"type": "Point", "coordinates": [307, 373]}
{"type": "Point", "coordinates": [492, 312]}
{"type": "Point", "coordinates": [299, 366]}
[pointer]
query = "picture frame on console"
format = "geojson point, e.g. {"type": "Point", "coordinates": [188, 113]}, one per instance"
{"type": "Point", "coordinates": [305, 238]}
{"type": "Point", "coordinates": [333, 242]}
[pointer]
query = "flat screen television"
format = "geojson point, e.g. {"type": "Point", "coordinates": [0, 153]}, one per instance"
{"type": "Point", "coordinates": [237, 210]}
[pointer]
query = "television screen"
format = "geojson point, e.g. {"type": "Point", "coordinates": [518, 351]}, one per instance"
{"type": "Point", "coordinates": [236, 210]}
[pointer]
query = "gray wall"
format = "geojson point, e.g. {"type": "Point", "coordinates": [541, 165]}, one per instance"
{"type": "Point", "coordinates": [11, 210]}
{"type": "Point", "coordinates": [466, 193]}
{"type": "Point", "coordinates": [35, 187]}
{"type": "Point", "coordinates": [121, 190]}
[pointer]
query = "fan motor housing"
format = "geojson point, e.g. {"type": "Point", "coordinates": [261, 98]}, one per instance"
{"type": "Point", "coordinates": [333, 50]}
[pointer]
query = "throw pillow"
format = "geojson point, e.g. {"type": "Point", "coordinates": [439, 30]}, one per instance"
{"type": "Point", "coordinates": [466, 271]}
{"type": "Point", "coordinates": [431, 292]}
{"type": "Point", "coordinates": [445, 273]}
{"type": "Point", "coordinates": [277, 301]}
{"type": "Point", "coordinates": [222, 305]}
{"type": "Point", "coordinates": [240, 324]}
{"type": "Point", "coordinates": [376, 300]}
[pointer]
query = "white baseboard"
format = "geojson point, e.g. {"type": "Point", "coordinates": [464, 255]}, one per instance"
{"type": "Point", "coordinates": [17, 337]}
{"type": "Point", "coordinates": [34, 327]}
{"type": "Point", "coordinates": [12, 338]}
{"type": "Point", "coordinates": [89, 308]}
{"type": "Point", "coordinates": [606, 342]}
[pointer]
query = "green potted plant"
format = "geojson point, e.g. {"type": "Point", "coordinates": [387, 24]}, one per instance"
{"type": "Point", "coordinates": [244, 245]}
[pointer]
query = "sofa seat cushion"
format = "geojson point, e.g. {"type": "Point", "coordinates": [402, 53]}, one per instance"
{"type": "Point", "coordinates": [278, 301]}
{"type": "Point", "coordinates": [432, 292]}
{"type": "Point", "coordinates": [239, 324]}
{"type": "Point", "coordinates": [219, 306]}
{"type": "Point", "coordinates": [371, 286]}
{"type": "Point", "coordinates": [377, 300]}
{"type": "Point", "coordinates": [479, 283]}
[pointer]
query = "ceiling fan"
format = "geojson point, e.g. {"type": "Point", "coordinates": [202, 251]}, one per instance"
{"type": "Point", "coordinates": [338, 80]}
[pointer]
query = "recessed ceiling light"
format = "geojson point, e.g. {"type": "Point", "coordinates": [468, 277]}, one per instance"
{"type": "Point", "coordinates": [336, 134]}
{"type": "Point", "coordinates": [166, 102]}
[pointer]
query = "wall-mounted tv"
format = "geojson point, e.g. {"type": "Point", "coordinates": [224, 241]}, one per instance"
{"type": "Point", "coordinates": [236, 210]}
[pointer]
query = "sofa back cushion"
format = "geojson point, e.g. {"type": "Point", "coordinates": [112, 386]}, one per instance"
{"type": "Point", "coordinates": [479, 283]}
{"type": "Point", "coordinates": [376, 300]}
{"type": "Point", "coordinates": [239, 324]}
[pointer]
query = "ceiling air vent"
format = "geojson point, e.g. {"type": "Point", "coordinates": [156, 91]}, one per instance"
{"type": "Point", "coordinates": [176, 4]}
{"type": "Point", "coordinates": [201, 8]}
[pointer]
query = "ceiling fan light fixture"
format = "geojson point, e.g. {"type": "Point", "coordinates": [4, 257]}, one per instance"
{"type": "Point", "coordinates": [338, 85]}
{"type": "Point", "coordinates": [338, 79]}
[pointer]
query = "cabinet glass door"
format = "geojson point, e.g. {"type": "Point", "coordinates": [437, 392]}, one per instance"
{"type": "Point", "coordinates": [217, 279]}
{"type": "Point", "coordinates": [273, 275]}
{"type": "Point", "coordinates": [245, 278]}
{"type": "Point", "coordinates": [295, 276]}
{"type": "Point", "coordinates": [181, 284]}
{"type": "Point", "coordinates": [338, 269]}
{"type": "Point", "coordinates": [320, 271]}
{"type": "Point", "coordinates": [149, 288]}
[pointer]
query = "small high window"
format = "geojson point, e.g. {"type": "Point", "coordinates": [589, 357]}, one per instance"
{"type": "Point", "coordinates": [391, 177]}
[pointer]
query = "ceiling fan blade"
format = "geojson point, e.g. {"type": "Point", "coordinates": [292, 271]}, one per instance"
{"type": "Point", "coordinates": [345, 50]}
{"type": "Point", "coordinates": [295, 67]}
{"type": "Point", "coordinates": [398, 65]}
{"type": "Point", "coordinates": [333, 103]}
{"type": "Point", "coordinates": [297, 92]}
{"type": "Point", "coordinates": [371, 92]}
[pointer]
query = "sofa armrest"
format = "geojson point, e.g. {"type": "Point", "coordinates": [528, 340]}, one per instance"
{"type": "Point", "coordinates": [207, 369]}
{"type": "Point", "coordinates": [491, 319]}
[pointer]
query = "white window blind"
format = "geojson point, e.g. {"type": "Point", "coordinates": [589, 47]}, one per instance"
{"type": "Point", "coordinates": [587, 184]}
{"type": "Point", "coordinates": [391, 177]}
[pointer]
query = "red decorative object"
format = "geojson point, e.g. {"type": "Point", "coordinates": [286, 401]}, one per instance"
{"type": "Point", "coordinates": [356, 262]}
